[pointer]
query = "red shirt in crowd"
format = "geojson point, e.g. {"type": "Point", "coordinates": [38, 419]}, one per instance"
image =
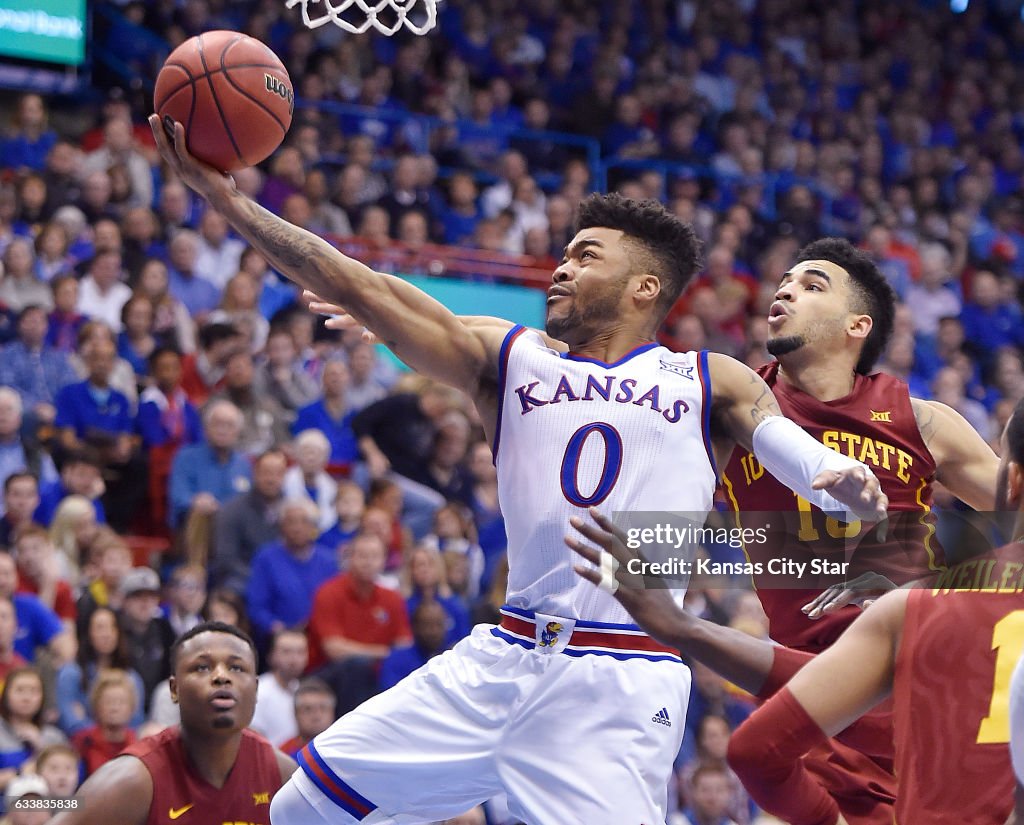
{"type": "Point", "coordinates": [63, 599]}
{"type": "Point", "coordinates": [374, 617]}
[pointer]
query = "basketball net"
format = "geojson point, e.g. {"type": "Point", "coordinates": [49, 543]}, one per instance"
{"type": "Point", "coordinates": [386, 16]}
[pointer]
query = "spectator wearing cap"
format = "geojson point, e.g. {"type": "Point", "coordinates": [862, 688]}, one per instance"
{"type": "Point", "coordinates": [208, 474]}
{"type": "Point", "coordinates": [147, 634]}
{"type": "Point", "coordinates": [28, 787]}
{"type": "Point", "coordinates": [32, 368]}
{"type": "Point", "coordinates": [275, 690]}
{"type": "Point", "coordinates": [37, 625]}
{"type": "Point", "coordinates": [202, 372]}
{"type": "Point", "coordinates": [286, 574]}
{"type": "Point", "coordinates": [186, 284]}
{"type": "Point", "coordinates": [249, 521]}
{"type": "Point", "coordinates": [81, 474]}
{"type": "Point", "coordinates": [101, 649]}
{"type": "Point", "coordinates": [20, 453]}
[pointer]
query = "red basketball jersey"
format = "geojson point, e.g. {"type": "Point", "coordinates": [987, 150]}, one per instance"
{"type": "Point", "coordinates": [181, 796]}
{"type": "Point", "coordinates": [959, 647]}
{"type": "Point", "coordinates": [874, 424]}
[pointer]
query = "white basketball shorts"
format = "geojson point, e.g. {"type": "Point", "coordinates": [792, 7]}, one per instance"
{"type": "Point", "coordinates": [578, 722]}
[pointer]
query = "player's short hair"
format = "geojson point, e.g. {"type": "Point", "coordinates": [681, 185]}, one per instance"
{"type": "Point", "coordinates": [668, 247]}
{"type": "Point", "coordinates": [210, 627]}
{"type": "Point", "coordinates": [1015, 433]}
{"type": "Point", "coordinates": [871, 292]}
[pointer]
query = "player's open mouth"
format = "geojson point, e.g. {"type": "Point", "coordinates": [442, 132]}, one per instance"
{"type": "Point", "coordinates": [223, 700]}
{"type": "Point", "coordinates": [777, 313]}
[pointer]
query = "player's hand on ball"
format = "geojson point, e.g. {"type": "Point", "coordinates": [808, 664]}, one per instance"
{"type": "Point", "coordinates": [860, 591]}
{"type": "Point", "coordinates": [650, 605]}
{"type": "Point", "coordinates": [857, 488]}
{"type": "Point", "coordinates": [201, 177]}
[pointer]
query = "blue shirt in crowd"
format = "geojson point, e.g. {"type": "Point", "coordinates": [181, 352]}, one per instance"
{"type": "Point", "coordinates": [197, 469]}
{"type": "Point", "coordinates": [344, 447]}
{"type": "Point", "coordinates": [38, 375]}
{"type": "Point", "coordinates": [281, 587]}
{"type": "Point", "coordinates": [87, 409]}
{"type": "Point", "coordinates": [51, 494]}
{"type": "Point", "coordinates": [37, 625]}
{"type": "Point", "coordinates": [197, 294]}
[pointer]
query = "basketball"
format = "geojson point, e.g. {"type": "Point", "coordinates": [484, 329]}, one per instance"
{"type": "Point", "coordinates": [231, 93]}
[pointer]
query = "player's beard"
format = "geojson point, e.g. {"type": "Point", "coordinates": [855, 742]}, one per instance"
{"type": "Point", "coordinates": [584, 319]}
{"type": "Point", "coordinates": [781, 347]}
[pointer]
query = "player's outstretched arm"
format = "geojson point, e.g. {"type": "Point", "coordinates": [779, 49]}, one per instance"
{"type": "Point", "coordinates": [745, 411]}
{"type": "Point", "coordinates": [825, 697]}
{"type": "Point", "coordinates": [418, 329]}
{"type": "Point", "coordinates": [341, 319]}
{"type": "Point", "coordinates": [965, 464]}
{"type": "Point", "coordinates": [743, 660]}
{"type": "Point", "coordinates": [121, 791]}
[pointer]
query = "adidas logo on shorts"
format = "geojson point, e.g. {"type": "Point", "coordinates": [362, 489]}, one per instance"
{"type": "Point", "coordinates": [661, 717]}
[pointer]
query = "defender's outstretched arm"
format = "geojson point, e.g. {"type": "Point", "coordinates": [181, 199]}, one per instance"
{"type": "Point", "coordinates": [745, 409]}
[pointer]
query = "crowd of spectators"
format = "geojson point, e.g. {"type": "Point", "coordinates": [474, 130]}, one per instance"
{"type": "Point", "coordinates": [180, 439]}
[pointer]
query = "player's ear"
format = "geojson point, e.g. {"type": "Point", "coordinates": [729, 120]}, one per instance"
{"type": "Point", "coordinates": [860, 326]}
{"type": "Point", "coordinates": [648, 288]}
{"type": "Point", "coordinates": [172, 683]}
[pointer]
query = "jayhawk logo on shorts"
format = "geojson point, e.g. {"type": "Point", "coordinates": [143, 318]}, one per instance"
{"type": "Point", "coordinates": [549, 635]}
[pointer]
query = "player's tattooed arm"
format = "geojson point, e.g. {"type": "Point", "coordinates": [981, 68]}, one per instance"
{"type": "Point", "coordinates": [965, 464]}
{"type": "Point", "coordinates": [340, 318]}
{"type": "Point", "coordinates": [740, 401]}
{"type": "Point", "coordinates": [419, 330]}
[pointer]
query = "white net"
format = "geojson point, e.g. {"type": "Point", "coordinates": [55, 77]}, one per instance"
{"type": "Point", "coordinates": [358, 16]}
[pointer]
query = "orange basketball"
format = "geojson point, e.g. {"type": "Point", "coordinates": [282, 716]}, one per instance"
{"type": "Point", "coordinates": [231, 93]}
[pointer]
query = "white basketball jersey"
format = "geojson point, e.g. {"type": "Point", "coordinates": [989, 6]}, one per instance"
{"type": "Point", "coordinates": [574, 432]}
